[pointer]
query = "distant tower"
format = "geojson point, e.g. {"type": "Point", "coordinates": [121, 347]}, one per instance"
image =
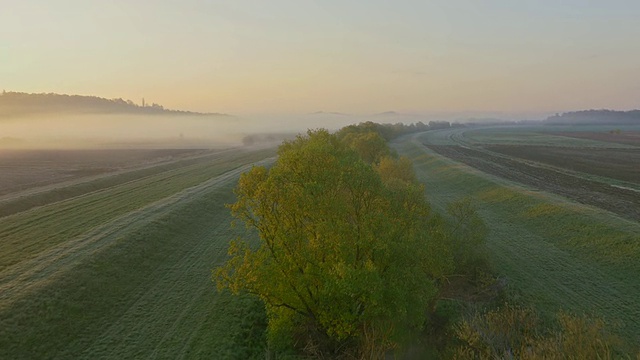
{"type": "Point", "coordinates": [142, 102]}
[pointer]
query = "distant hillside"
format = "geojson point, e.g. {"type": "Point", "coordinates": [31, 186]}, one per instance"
{"type": "Point", "coordinates": [21, 104]}
{"type": "Point", "coordinates": [596, 117]}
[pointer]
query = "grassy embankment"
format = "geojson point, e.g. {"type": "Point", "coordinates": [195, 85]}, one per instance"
{"type": "Point", "coordinates": [125, 271]}
{"type": "Point", "coordinates": [555, 254]}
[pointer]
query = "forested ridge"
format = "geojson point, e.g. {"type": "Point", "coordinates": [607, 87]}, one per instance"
{"type": "Point", "coordinates": [22, 104]}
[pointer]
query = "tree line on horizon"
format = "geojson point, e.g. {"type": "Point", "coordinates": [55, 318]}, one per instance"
{"type": "Point", "coordinates": [21, 104]}
{"type": "Point", "coordinates": [595, 117]}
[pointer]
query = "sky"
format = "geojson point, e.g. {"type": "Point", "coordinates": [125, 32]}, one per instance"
{"type": "Point", "coordinates": [300, 56]}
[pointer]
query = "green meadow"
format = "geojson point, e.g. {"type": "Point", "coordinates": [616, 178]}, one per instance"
{"type": "Point", "coordinates": [125, 271]}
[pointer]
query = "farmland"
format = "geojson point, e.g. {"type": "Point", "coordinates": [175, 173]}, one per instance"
{"type": "Point", "coordinates": [24, 169]}
{"type": "Point", "coordinates": [119, 265]}
{"type": "Point", "coordinates": [601, 174]}
{"type": "Point", "coordinates": [109, 254]}
{"type": "Point", "coordinates": [564, 238]}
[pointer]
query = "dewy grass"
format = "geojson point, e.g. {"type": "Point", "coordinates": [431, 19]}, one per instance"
{"type": "Point", "coordinates": [555, 254]}
{"type": "Point", "coordinates": [27, 233]}
{"type": "Point", "coordinates": [144, 289]}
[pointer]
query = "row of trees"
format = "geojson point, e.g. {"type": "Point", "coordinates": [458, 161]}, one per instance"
{"type": "Point", "coordinates": [350, 255]}
{"type": "Point", "coordinates": [595, 117]}
{"type": "Point", "coordinates": [392, 131]}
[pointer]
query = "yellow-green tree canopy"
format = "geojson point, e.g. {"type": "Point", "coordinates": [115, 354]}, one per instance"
{"type": "Point", "coordinates": [342, 253]}
{"type": "Point", "coordinates": [369, 145]}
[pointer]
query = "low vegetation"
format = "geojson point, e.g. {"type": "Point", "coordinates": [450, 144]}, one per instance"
{"type": "Point", "coordinates": [516, 332]}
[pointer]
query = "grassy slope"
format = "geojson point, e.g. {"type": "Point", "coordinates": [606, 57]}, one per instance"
{"type": "Point", "coordinates": [28, 233]}
{"type": "Point", "coordinates": [40, 196]}
{"type": "Point", "coordinates": [555, 254]}
{"type": "Point", "coordinates": [145, 291]}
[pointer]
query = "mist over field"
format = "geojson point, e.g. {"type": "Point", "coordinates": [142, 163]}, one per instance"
{"type": "Point", "coordinates": [97, 130]}
{"type": "Point", "coordinates": [80, 131]}
{"type": "Point", "coordinates": [76, 131]}
{"type": "Point", "coordinates": [63, 130]}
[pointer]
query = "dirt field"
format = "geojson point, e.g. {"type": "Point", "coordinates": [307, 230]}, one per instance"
{"type": "Point", "coordinates": [624, 137]}
{"type": "Point", "coordinates": [25, 169]}
{"type": "Point", "coordinates": [624, 202]}
{"type": "Point", "coordinates": [620, 164]}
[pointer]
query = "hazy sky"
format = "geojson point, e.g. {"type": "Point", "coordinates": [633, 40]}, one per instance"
{"type": "Point", "coordinates": [298, 56]}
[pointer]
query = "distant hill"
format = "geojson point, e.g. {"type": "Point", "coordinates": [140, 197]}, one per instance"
{"type": "Point", "coordinates": [20, 104]}
{"type": "Point", "coordinates": [388, 113]}
{"type": "Point", "coordinates": [595, 117]}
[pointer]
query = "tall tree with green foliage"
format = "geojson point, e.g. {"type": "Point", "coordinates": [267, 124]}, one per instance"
{"type": "Point", "coordinates": [346, 258]}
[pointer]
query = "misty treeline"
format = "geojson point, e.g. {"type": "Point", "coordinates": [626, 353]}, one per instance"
{"type": "Point", "coordinates": [20, 104]}
{"type": "Point", "coordinates": [385, 131]}
{"type": "Point", "coordinates": [595, 117]}
{"type": "Point", "coordinates": [391, 131]}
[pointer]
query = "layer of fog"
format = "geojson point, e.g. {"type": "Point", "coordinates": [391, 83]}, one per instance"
{"type": "Point", "coordinates": [166, 131]}
{"type": "Point", "coordinates": [140, 131]}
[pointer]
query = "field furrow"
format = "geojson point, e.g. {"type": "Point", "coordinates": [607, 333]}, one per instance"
{"type": "Point", "coordinates": [137, 285]}
{"type": "Point", "coordinates": [554, 254]}
{"type": "Point", "coordinates": [23, 278]}
{"type": "Point", "coordinates": [25, 234]}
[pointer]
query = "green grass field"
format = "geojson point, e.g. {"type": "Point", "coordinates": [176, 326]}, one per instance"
{"type": "Point", "coordinates": [125, 271]}
{"type": "Point", "coordinates": [556, 254]}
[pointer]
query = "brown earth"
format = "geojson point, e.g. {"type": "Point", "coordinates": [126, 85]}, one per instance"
{"type": "Point", "coordinates": [621, 201]}
{"type": "Point", "coordinates": [619, 164]}
{"type": "Point", "coordinates": [624, 137]}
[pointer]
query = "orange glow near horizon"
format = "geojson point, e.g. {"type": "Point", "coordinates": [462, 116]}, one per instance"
{"type": "Point", "coordinates": [292, 57]}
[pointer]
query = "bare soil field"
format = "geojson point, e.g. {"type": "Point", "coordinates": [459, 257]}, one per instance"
{"type": "Point", "coordinates": [621, 201]}
{"type": "Point", "coordinates": [620, 164]}
{"type": "Point", "coordinates": [25, 169]}
{"type": "Point", "coordinates": [624, 137]}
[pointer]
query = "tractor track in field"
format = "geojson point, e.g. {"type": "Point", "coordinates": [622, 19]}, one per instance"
{"type": "Point", "coordinates": [27, 233]}
{"type": "Point", "coordinates": [620, 200]}
{"type": "Point", "coordinates": [23, 278]}
{"type": "Point", "coordinates": [158, 307]}
{"type": "Point", "coordinates": [582, 262]}
{"type": "Point", "coordinates": [34, 197]}
{"type": "Point", "coordinates": [66, 183]}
